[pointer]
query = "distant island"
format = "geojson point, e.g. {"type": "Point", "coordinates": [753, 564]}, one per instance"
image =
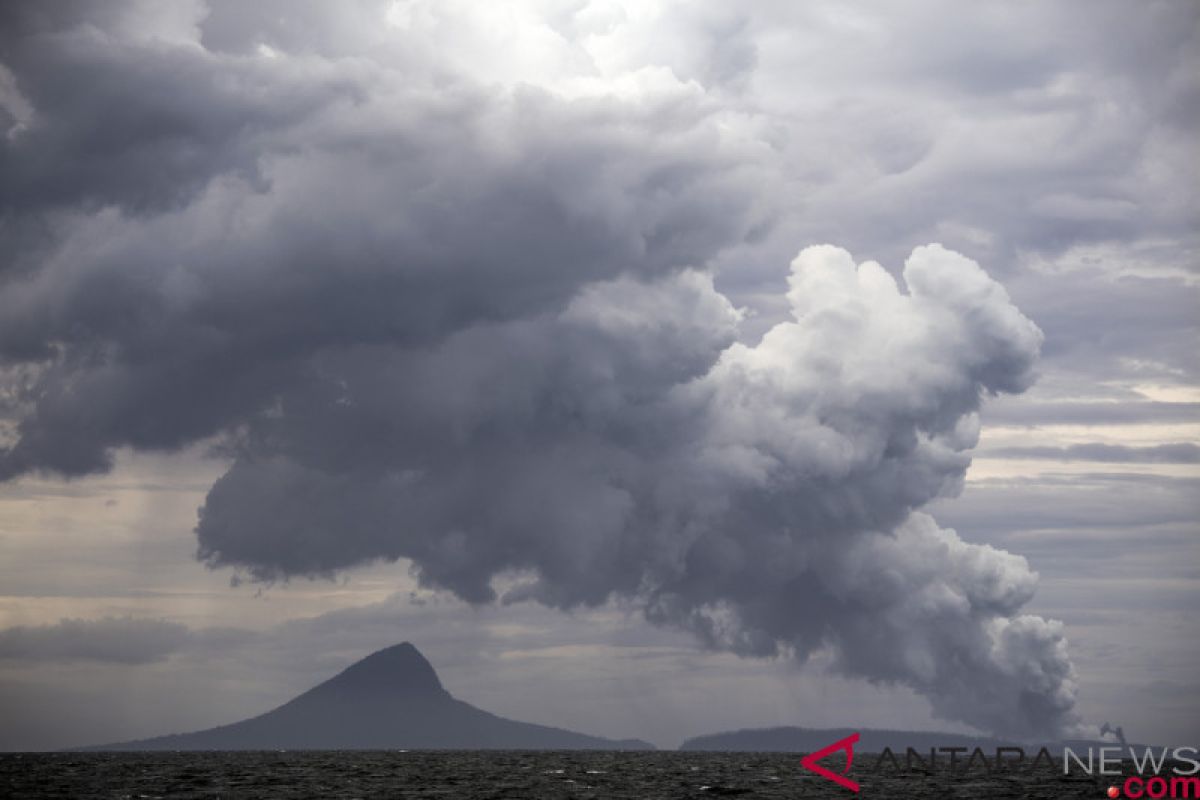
{"type": "Point", "coordinates": [392, 699]}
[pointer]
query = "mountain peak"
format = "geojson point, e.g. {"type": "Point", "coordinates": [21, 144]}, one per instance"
{"type": "Point", "coordinates": [399, 668]}
{"type": "Point", "coordinates": [390, 699]}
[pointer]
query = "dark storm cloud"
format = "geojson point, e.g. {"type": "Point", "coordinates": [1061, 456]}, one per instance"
{"type": "Point", "coordinates": [433, 316]}
{"type": "Point", "coordinates": [405, 213]}
{"type": "Point", "coordinates": [135, 123]}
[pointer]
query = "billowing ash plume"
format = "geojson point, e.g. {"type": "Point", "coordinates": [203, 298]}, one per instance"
{"type": "Point", "coordinates": [472, 328]}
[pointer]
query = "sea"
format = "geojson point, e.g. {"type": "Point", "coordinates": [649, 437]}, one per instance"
{"type": "Point", "coordinates": [480, 775]}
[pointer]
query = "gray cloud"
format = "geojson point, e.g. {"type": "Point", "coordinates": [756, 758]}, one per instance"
{"type": "Point", "coordinates": [1175, 453]}
{"type": "Point", "coordinates": [122, 640]}
{"type": "Point", "coordinates": [1115, 412]}
{"type": "Point", "coordinates": [1074, 501]}
{"type": "Point", "coordinates": [1139, 327]}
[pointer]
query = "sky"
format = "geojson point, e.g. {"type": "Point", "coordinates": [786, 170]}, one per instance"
{"type": "Point", "coordinates": [656, 368]}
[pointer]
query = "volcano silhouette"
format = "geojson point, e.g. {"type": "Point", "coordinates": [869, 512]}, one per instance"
{"type": "Point", "coordinates": [392, 699]}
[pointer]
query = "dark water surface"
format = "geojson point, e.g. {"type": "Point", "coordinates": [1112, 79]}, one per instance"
{"type": "Point", "coordinates": [481, 775]}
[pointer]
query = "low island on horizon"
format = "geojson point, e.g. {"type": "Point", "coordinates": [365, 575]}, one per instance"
{"type": "Point", "coordinates": [393, 699]}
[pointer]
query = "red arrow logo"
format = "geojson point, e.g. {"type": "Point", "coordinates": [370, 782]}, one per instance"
{"type": "Point", "coordinates": [809, 762]}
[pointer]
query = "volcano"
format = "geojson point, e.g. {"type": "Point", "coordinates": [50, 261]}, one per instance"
{"type": "Point", "coordinates": [392, 699]}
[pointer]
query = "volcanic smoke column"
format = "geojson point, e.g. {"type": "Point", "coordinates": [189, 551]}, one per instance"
{"type": "Point", "coordinates": [764, 497]}
{"type": "Point", "coordinates": [826, 437]}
